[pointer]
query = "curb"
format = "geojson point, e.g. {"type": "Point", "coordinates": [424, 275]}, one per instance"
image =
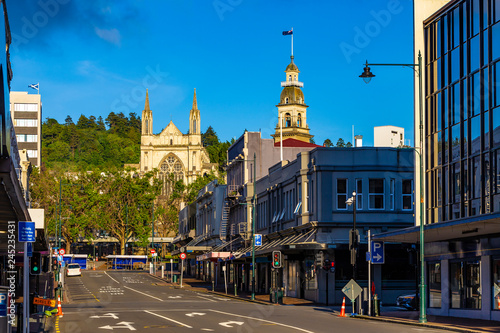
{"type": "Point", "coordinates": [412, 323]}
{"type": "Point", "coordinates": [214, 293]}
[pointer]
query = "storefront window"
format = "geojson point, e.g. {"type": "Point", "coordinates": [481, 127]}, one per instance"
{"type": "Point", "coordinates": [465, 285]}
{"type": "Point", "coordinates": [434, 285]}
{"type": "Point", "coordinates": [496, 284]}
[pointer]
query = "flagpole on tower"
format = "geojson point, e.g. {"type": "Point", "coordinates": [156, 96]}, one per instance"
{"type": "Point", "coordinates": [292, 41]}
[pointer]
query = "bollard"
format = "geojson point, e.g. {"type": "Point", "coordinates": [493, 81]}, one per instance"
{"type": "Point", "coordinates": [162, 271]}
{"type": "Point", "coordinates": [376, 305]}
{"type": "Point", "coordinates": [213, 285]}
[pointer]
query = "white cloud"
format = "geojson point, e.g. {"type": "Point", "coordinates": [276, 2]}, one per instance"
{"type": "Point", "coordinates": [110, 35]}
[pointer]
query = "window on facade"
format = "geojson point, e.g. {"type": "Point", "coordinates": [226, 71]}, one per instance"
{"type": "Point", "coordinates": [27, 137]}
{"type": "Point", "coordinates": [194, 126]}
{"type": "Point", "coordinates": [391, 195]}
{"type": "Point", "coordinates": [286, 100]}
{"type": "Point", "coordinates": [30, 107]}
{"type": "Point", "coordinates": [376, 193]}
{"type": "Point", "coordinates": [32, 153]}
{"type": "Point", "coordinates": [299, 120]}
{"type": "Point", "coordinates": [171, 171]}
{"type": "Point", "coordinates": [407, 192]}
{"type": "Point", "coordinates": [359, 194]}
{"type": "Point", "coordinates": [495, 268]}
{"type": "Point", "coordinates": [289, 78]}
{"type": "Point", "coordinates": [341, 193]}
{"type": "Point", "coordinates": [434, 285]}
{"type": "Point", "coordinates": [26, 122]}
{"type": "Point", "coordinates": [465, 285]}
{"type": "Point", "coordinates": [288, 120]}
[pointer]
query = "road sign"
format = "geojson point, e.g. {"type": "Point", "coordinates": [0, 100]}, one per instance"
{"type": "Point", "coordinates": [496, 290]}
{"type": "Point", "coordinates": [3, 303]}
{"type": "Point", "coordinates": [44, 301]}
{"type": "Point", "coordinates": [152, 251]}
{"type": "Point", "coordinates": [377, 251]}
{"type": "Point", "coordinates": [26, 231]}
{"type": "Point", "coordinates": [352, 290]}
{"type": "Point", "coordinates": [258, 240]}
{"type": "Point", "coordinates": [182, 256]}
{"type": "Point", "coordinates": [62, 252]}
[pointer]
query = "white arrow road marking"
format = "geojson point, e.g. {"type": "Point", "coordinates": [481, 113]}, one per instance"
{"type": "Point", "coordinates": [230, 323]}
{"type": "Point", "coordinates": [208, 299]}
{"type": "Point", "coordinates": [207, 329]}
{"type": "Point", "coordinates": [174, 321]}
{"type": "Point", "coordinates": [266, 321]}
{"type": "Point", "coordinates": [140, 292]}
{"type": "Point", "coordinates": [174, 296]}
{"type": "Point", "coordinates": [106, 315]}
{"type": "Point", "coordinates": [222, 299]}
{"type": "Point", "coordinates": [192, 314]}
{"type": "Point", "coordinates": [126, 325]}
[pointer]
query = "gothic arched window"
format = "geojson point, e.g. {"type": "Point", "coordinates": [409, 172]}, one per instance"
{"type": "Point", "coordinates": [299, 120]}
{"type": "Point", "coordinates": [171, 171]}
{"type": "Point", "coordinates": [194, 126]}
{"type": "Point", "coordinates": [286, 100]}
{"type": "Point", "coordinates": [288, 120]}
{"type": "Point", "coordinates": [289, 78]}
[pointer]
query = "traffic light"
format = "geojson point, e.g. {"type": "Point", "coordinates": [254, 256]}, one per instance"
{"type": "Point", "coordinates": [277, 259]}
{"type": "Point", "coordinates": [36, 263]}
{"type": "Point", "coordinates": [319, 259]}
{"type": "Point", "coordinates": [54, 263]}
{"type": "Point", "coordinates": [332, 266]}
{"type": "Point", "coordinates": [326, 265]}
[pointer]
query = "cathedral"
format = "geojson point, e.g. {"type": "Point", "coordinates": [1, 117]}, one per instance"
{"type": "Point", "coordinates": [171, 151]}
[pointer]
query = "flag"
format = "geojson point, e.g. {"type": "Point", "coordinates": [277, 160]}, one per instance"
{"type": "Point", "coordinates": [34, 86]}
{"type": "Point", "coordinates": [289, 32]}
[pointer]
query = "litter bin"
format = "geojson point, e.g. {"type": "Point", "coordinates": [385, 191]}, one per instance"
{"type": "Point", "coordinates": [376, 306]}
{"type": "Point", "coordinates": [279, 296]}
{"type": "Point", "coordinates": [174, 278]}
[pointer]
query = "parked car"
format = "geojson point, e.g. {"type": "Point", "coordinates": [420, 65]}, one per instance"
{"type": "Point", "coordinates": [73, 270]}
{"type": "Point", "coordinates": [409, 302]}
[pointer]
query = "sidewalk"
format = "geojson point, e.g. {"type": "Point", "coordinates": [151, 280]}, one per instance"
{"type": "Point", "coordinates": [390, 314]}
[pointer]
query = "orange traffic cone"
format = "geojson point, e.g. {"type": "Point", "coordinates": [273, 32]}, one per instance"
{"type": "Point", "coordinates": [93, 266]}
{"type": "Point", "coordinates": [498, 303]}
{"type": "Point", "coordinates": [342, 310]}
{"type": "Point", "coordinates": [59, 308]}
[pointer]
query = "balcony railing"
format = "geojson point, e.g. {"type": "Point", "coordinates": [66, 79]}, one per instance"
{"type": "Point", "coordinates": [292, 83]}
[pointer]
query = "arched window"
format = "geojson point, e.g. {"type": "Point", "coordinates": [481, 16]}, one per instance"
{"type": "Point", "coordinates": [288, 120]}
{"type": "Point", "coordinates": [171, 171]}
{"type": "Point", "coordinates": [289, 77]}
{"type": "Point", "coordinates": [146, 129]}
{"type": "Point", "coordinates": [286, 100]}
{"type": "Point", "coordinates": [299, 120]}
{"type": "Point", "coordinates": [171, 142]}
{"type": "Point", "coordinates": [295, 77]}
{"type": "Point", "coordinates": [194, 126]}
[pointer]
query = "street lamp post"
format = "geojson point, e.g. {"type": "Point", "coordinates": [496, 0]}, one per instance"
{"type": "Point", "coordinates": [353, 238]}
{"type": "Point", "coordinates": [367, 76]}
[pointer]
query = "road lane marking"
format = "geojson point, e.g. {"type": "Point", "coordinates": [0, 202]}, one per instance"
{"type": "Point", "coordinates": [174, 321]}
{"type": "Point", "coordinates": [208, 299]}
{"type": "Point", "coordinates": [140, 292]}
{"type": "Point", "coordinates": [111, 277]}
{"type": "Point", "coordinates": [267, 321]}
{"type": "Point", "coordinates": [126, 324]}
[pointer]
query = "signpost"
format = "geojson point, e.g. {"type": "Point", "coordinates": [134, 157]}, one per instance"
{"type": "Point", "coordinates": [26, 234]}
{"type": "Point", "coordinates": [377, 251]}
{"type": "Point", "coordinates": [182, 256]}
{"type": "Point", "coordinates": [258, 240]}
{"type": "Point", "coordinates": [352, 290]}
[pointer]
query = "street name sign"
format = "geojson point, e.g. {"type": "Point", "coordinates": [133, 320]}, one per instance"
{"type": "Point", "coordinates": [352, 290]}
{"type": "Point", "coordinates": [26, 231]}
{"type": "Point", "coordinates": [377, 250]}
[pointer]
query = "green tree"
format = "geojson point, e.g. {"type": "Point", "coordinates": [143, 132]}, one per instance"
{"type": "Point", "coordinates": [209, 138]}
{"type": "Point", "coordinates": [340, 143]}
{"type": "Point", "coordinates": [327, 143]}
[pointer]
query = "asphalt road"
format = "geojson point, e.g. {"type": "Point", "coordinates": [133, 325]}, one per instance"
{"type": "Point", "coordinates": [133, 301]}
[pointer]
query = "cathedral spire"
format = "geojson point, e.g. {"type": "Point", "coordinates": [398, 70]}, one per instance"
{"type": "Point", "coordinates": [195, 102]}
{"type": "Point", "coordinates": [146, 106]}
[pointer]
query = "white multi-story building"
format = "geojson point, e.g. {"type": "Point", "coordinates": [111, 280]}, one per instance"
{"type": "Point", "coordinates": [26, 112]}
{"type": "Point", "coordinates": [388, 136]}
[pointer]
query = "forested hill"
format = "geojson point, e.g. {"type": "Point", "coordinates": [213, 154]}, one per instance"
{"type": "Point", "coordinates": [92, 143]}
{"type": "Point", "coordinates": [104, 144]}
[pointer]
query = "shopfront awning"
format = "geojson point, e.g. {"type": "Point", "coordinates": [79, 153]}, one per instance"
{"type": "Point", "coordinates": [443, 231]}
{"type": "Point", "coordinates": [282, 243]}
{"type": "Point", "coordinates": [213, 256]}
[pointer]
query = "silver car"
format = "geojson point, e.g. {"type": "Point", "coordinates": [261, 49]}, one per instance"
{"type": "Point", "coordinates": [73, 270]}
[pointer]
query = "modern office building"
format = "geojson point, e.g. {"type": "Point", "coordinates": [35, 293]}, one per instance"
{"type": "Point", "coordinates": [388, 136]}
{"type": "Point", "coordinates": [459, 41]}
{"type": "Point", "coordinates": [26, 111]}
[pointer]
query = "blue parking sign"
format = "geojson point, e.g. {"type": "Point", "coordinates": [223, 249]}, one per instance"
{"type": "Point", "coordinates": [377, 250]}
{"type": "Point", "coordinates": [3, 303]}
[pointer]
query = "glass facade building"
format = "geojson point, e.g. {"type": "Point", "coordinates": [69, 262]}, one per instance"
{"type": "Point", "coordinates": [462, 111]}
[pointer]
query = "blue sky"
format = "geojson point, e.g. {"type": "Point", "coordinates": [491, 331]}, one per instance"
{"type": "Point", "coordinates": [94, 57]}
